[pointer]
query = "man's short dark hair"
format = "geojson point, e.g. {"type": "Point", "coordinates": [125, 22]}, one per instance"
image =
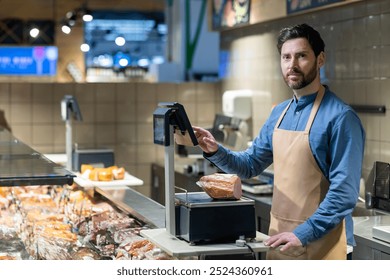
{"type": "Point", "coordinates": [302, 31]}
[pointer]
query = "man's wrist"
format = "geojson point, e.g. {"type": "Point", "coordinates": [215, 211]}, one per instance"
{"type": "Point", "coordinates": [209, 154]}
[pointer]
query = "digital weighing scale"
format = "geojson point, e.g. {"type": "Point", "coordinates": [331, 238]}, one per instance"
{"type": "Point", "coordinates": [189, 222]}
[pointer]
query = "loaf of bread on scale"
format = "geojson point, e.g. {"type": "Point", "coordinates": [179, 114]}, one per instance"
{"type": "Point", "coordinates": [221, 186]}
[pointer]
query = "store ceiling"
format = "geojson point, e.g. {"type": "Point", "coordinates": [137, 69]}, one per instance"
{"type": "Point", "coordinates": [42, 9]}
{"type": "Point", "coordinates": [102, 33]}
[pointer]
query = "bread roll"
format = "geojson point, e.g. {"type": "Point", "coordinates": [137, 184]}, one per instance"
{"type": "Point", "coordinates": [105, 174]}
{"type": "Point", "coordinates": [85, 167]}
{"type": "Point", "coordinates": [222, 186]}
{"type": "Point", "coordinates": [93, 174]}
{"type": "Point", "coordinates": [119, 173]}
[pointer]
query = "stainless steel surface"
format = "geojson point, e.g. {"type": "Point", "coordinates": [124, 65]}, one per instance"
{"type": "Point", "coordinates": [258, 189]}
{"type": "Point", "coordinates": [180, 248]}
{"type": "Point", "coordinates": [136, 204]}
{"type": "Point", "coordinates": [363, 231]}
{"type": "Point", "coordinates": [382, 233]}
{"type": "Point", "coordinates": [69, 110]}
{"type": "Point", "coordinates": [169, 163]}
{"type": "Point", "coordinates": [20, 165]}
{"type": "Point", "coordinates": [361, 210]}
{"type": "Point", "coordinates": [201, 199]}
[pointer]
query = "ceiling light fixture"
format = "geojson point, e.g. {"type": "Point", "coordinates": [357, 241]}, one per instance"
{"type": "Point", "coordinates": [71, 18]}
{"type": "Point", "coordinates": [120, 41]}
{"type": "Point", "coordinates": [34, 32]}
{"type": "Point", "coordinates": [86, 14]}
{"type": "Point", "coordinates": [66, 28]}
{"type": "Point", "coordinates": [84, 47]}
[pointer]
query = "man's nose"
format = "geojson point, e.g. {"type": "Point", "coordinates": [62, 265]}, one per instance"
{"type": "Point", "coordinates": [293, 63]}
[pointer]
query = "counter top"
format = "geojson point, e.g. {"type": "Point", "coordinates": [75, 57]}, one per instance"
{"type": "Point", "coordinates": [362, 225]}
{"type": "Point", "coordinates": [136, 204]}
{"type": "Point", "coordinates": [179, 248]}
{"type": "Point", "coordinates": [363, 231]}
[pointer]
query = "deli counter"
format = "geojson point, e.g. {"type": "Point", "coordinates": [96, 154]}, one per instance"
{"type": "Point", "coordinates": [45, 215]}
{"type": "Point", "coordinates": [49, 213]}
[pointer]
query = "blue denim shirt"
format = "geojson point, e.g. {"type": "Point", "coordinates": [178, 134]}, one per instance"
{"type": "Point", "coordinates": [337, 143]}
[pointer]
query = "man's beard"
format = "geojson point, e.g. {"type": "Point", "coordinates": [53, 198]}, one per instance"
{"type": "Point", "coordinates": [304, 80]}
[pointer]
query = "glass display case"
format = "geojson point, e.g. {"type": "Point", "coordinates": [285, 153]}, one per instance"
{"type": "Point", "coordinates": [21, 165]}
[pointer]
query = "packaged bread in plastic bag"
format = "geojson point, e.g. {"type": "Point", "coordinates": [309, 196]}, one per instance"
{"type": "Point", "coordinates": [221, 186]}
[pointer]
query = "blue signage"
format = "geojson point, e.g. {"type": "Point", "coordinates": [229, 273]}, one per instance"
{"type": "Point", "coordinates": [29, 61]}
{"type": "Point", "coordinates": [300, 5]}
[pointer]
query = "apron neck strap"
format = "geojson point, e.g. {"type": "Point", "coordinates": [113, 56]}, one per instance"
{"type": "Point", "coordinates": [314, 110]}
{"type": "Point", "coordinates": [283, 113]}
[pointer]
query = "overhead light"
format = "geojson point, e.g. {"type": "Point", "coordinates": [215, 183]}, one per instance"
{"type": "Point", "coordinates": [87, 17]}
{"type": "Point", "coordinates": [123, 62]}
{"type": "Point", "coordinates": [71, 18]}
{"type": "Point", "coordinates": [34, 32]}
{"type": "Point", "coordinates": [120, 41]}
{"type": "Point", "coordinates": [86, 14]}
{"type": "Point", "coordinates": [65, 27]}
{"type": "Point", "coordinates": [143, 62]}
{"type": "Point", "coordinates": [84, 47]}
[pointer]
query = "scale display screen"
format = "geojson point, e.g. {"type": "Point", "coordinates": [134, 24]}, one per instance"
{"type": "Point", "coordinates": [159, 129]}
{"type": "Point", "coordinates": [172, 114]}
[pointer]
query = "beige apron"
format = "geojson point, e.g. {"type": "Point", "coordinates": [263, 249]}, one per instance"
{"type": "Point", "coordinates": [299, 189]}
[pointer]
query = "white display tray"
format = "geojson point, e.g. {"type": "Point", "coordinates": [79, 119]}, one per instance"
{"type": "Point", "coordinates": [128, 180]}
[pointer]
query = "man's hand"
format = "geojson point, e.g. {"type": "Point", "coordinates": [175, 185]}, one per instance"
{"type": "Point", "coordinates": [206, 140]}
{"type": "Point", "coordinates": [287, 239]}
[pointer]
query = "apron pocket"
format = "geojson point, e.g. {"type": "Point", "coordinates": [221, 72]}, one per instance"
{"type": "Point", "coordinates": [280, 224]}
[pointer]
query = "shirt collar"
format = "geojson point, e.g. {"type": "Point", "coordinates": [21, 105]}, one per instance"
{"type": "Point", "coordinates": [304, 100]}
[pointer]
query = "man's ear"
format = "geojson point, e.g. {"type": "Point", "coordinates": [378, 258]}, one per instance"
{"type": "Point", "coordinates": [321, 59]}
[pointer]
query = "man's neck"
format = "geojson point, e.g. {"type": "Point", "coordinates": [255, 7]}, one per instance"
{"type": "Point", "coordinates": [309, 89]}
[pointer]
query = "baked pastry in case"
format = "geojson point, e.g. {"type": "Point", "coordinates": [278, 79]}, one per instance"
{"type": "Point", "coordinates": [85, 167]}
{"type": "Point", "coordinates": [105, 174]}
{"type": "Point", "coordinates": [118, 173]}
